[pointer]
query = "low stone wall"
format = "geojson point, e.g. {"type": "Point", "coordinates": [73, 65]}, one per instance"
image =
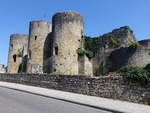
{"type": "Point", "coordinates": [114, 87]}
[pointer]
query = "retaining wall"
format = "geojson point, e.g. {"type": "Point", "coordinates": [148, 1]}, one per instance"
{"type": "Point", "coordinates": [114, 87]}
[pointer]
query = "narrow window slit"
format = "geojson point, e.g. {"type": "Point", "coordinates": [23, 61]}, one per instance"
{"type": "Point", "coordinates": [56, 50]}
{"type": "Point", "coordinates": [35, 37]}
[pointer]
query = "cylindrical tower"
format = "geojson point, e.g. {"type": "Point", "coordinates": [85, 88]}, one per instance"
{"type": "Point", "coordinates": [67, 30]}
{"type": "Point", "coordinates": [38, 33]}
{"type": "Point", "coordinates": [17, 50]}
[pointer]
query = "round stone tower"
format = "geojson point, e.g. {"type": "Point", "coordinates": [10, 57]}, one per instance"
{"type": "Point", "coordinates": [17, 50]}
{"type": "Point", "coordinates": [67, 30]}
{"type": "Point", "coordinates": [38, 33]}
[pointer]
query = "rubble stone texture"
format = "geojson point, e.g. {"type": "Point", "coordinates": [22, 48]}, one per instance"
{"type": "Point", "coordinates": [17, 52]}
{"type": "Point", "coordinates": [38, 34]}
{"type": "Point", "coordinates": [67, 32]}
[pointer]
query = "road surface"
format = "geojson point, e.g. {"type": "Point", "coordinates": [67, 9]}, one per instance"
{"type": "Point", "coordinates": [12, 101]}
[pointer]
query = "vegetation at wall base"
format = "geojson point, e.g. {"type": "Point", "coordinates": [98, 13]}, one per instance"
{"type": "Point", "coordinates": [136, 74]}
{"type": "Point", "coordinates": [57, 73]}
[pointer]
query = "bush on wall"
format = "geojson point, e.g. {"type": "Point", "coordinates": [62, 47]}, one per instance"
{"type": "Point", "coordinates": [134, 45]}
{"type": "Point", "coordinates": [115, 43]}
{"type": "Point", "coordinates": [136, 74]}
{"type": "Point", "coordinates": [82, 51]}
{"type": "Point", "coordinates": [147, 68]}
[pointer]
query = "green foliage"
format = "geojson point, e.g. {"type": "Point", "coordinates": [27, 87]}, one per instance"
{"type": "Point", "coordinates": [89, 53]}
{"type": "Point", "coordinates": [82, 51]}
{"type": "Point", "coordinates": [134, 45]}
{"type": "Point", "coordinates": [147, 68]}
{"type": "Point", "coordinates": [115, 43]}
{"type": "Point", "coordinates": [129, 29]}
{"type": "Point", "coordinates": [82, 73]}
{"type": "Point", "coordinates": [57, 73]}
{"type": "Point", "coordinates": [93, 43]}
{"type": "Point", "coordinates": [136, 74]}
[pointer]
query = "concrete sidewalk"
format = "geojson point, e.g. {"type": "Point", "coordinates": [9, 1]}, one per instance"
{"type": "Point", "coordinates": [96, 102]}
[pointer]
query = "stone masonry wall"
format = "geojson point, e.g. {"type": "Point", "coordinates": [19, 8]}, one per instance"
{"type": "Point", "coordinates": [17, 51]}
{"type": "Point", "coordinates": [114, 87]}
{"type": "Point", "coordinates": [113, 54]}
{"type": "Point", "coordinates": [38, 34]}
{"type": "Point", "coordinates": [85, 65]}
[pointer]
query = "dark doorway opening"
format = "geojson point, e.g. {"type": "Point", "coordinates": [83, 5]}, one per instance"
{"type": "Point", "coordinates": [15, 57]}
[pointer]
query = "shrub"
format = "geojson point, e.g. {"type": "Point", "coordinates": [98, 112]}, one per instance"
{"type": "Point", "coordinates": [134, 45]}
{"type": "Point", "coordinates": [137, 74]}
{"type": "Point", "coordinates": [82, 51]}
{"type": "Point", "coordinates": [147, 67]}
{"type": "Point", "coordinates": [115, 43]}
{"type": "Point", "coordinates": [129, 29]}
{"type": "Point", "coordinates": [93, 44]}
{"type": "Point", "coordinates": [57, 73]}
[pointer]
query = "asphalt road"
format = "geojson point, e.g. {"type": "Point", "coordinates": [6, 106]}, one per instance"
{"type": "Point", "coordinates": [12, 101]}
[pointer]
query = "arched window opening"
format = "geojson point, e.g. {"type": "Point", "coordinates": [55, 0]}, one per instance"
{"type": "Point", "coordinates": [15, 57]}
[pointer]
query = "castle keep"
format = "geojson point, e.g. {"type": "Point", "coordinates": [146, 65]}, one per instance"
{"type": "Point", "coordinates": [62, 47]}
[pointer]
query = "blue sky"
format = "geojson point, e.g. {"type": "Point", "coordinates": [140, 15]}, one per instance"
{"type": "Point", "coordinates": [101, 16]}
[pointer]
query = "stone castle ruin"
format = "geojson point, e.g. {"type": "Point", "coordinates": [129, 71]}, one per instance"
{"type": "Point", "coordinates": [61, 47]}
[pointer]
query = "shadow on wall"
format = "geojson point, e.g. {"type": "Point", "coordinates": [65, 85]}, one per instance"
{"type": "Point", "coordinates": [48, 51]}
{"type": "Point", "coordinates": [119, 58]}
{"type": "Point", "coordinates": [23, 65]}
{"type": "Point", "coordinates": [111, 61]}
